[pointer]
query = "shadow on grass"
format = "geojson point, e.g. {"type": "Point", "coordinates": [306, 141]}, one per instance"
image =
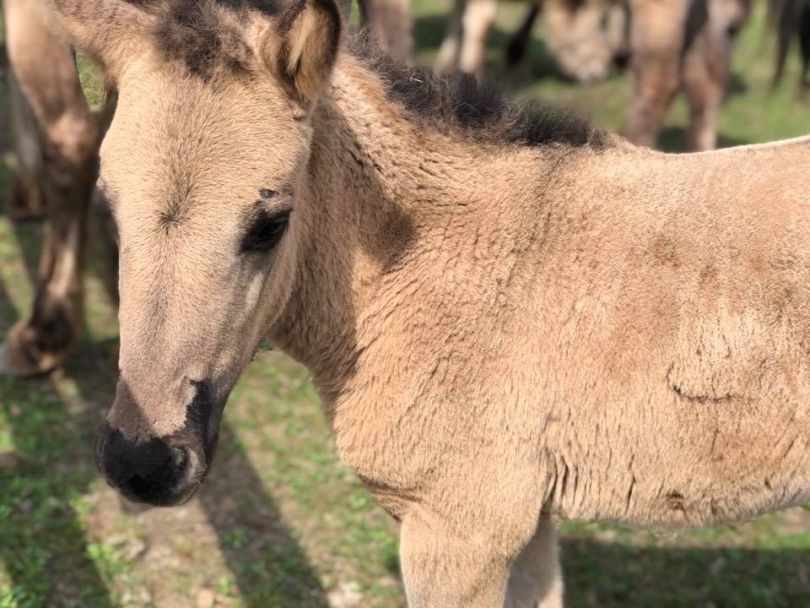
{"type": "Point", "coordinates": [42, 540]}
{"type": "Point", "coordinates": [269, 565]}
{"type": "Point", "coordinates": [613, 575]}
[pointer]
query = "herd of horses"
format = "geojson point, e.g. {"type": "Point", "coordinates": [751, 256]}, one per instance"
{"type": "Point", "coordinates": [511, 316]}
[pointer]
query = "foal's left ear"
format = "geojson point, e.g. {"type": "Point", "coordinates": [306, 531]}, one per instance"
{"type": "Point", "coordinates": [302, 46]}
{"type": "Point", "coordinates": [111, 31]}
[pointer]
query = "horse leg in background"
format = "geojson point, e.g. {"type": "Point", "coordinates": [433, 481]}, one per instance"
{"type": "Point", "coordinates": [536, 578]}
{"type": "Point", "coordinates": [24, 197]}
{"type": "Point", "coordinates": [463, 47]}
{"type": "Point", "coordinates": [519, 43]}
{"type": "Point", "coordinates": [577, 37]}
{"type": "Point", "coordinates": [804, 44]}
{"type": "Point", "coordinates": [657, 39]}
{"type": "Point", "coordinates": [618, 33]}
{"type": "Point", "coordinates": [390, 23]}
{"type": "Point", "coordinates": [448, 56]}
{"type": "Point", "coordinates": [706, 69]}
{"type": "Point", "coordinates": [60, 151]}
{"type": "Point", "coordinates": [478, 18]}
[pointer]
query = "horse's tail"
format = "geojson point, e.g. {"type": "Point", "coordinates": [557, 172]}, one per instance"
{"type": "Point", "coordinates": [790, 19]}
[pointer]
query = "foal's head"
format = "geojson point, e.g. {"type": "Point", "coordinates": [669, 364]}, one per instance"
{"type": "Point", "coordinates": [203, 165]}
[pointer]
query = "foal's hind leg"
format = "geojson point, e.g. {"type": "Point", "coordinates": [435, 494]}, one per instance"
{"type": "Point", "coordinates": [64, 165]}
{"type": "Point", "coordinates": [536, 578]}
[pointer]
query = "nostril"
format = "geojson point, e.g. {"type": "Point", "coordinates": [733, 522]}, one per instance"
{"type": "Point", "coordinates": [180, 456]}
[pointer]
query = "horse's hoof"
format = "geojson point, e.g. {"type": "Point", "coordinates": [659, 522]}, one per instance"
{"type": "Point", "coordinates": [14, 363]}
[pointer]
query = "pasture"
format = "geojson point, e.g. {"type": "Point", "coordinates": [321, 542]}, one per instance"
{"type": "Point", "coordinates": [280, 522]}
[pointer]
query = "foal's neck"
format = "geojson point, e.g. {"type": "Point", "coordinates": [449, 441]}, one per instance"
{"type": "Point", "coordinates": [382, 191]}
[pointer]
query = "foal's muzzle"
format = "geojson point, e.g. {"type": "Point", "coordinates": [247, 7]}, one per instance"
{"type": "Point", "coordinates": [158, 471]}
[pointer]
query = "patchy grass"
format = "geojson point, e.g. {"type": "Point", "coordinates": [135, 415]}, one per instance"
{"type": "Point", "coordinates": [280, 521]}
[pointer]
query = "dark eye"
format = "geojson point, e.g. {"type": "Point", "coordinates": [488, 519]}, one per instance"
{"type": "Point", "coordinates": [266, 231]}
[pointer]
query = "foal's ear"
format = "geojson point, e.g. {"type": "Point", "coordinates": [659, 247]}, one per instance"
{"type": "Point", "coordinates": [302, 46]}
{"type": "Point", "coordinates": [108, 30]}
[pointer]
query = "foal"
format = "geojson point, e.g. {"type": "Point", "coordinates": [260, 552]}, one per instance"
{"type": "Point", "coordinates": [509, 316]}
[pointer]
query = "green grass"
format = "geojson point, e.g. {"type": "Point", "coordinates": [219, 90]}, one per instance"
{"type": "Point", "coordinates": [280, 522]}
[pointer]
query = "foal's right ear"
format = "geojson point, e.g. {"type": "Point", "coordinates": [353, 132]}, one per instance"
{"type": "Point", "coordinates": [301, 48]}
{"type": "Point", "coordinates": [110, 31]}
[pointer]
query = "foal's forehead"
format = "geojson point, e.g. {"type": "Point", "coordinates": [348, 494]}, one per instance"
{"type": "Point", "coordinates": [175, 147]}
{"type": "Point", "coordinates": [167, 118]}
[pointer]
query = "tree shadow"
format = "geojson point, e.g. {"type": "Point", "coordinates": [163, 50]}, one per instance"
{"type": "Point", "coordinates": [269, 565]}
{"type": "Point", "coordinates": [614, 575]}
{"type": "Point", "coordinates": [43, 543]}
{"type": "Point", "coordinates": [617, 575]}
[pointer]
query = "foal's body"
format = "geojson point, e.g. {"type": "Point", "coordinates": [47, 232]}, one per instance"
{"type": "Point", "coordinates": [615, 334]}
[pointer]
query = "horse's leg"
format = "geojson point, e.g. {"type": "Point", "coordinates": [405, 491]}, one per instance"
{"type": "Point", "coordinates": [65, 172]}
{"type": "Point", "coordinates": [536, 579]}
{"type": "Point", "coordinates": [516, 51]}
{"type": "Point", "coordinates": [478, 18]}
{"type": "Point", "coordinates": [704, 84]}
{"type": "Point", "coordinates": [706, 69]}
{"type": "Point", "coordinates": [448, 56]}
{"type": "Point", "coordinates": [390, 23]}
{"type": "Point", "coordinates": [25, 196]}
{"type": "Point", "coordinates": [444, 567]}
{"type": "Point", "coordinates": [657, 39]}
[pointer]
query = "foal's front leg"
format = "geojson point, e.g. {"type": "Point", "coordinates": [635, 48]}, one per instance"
{"type": "Point", "coordinates": [443, 567]}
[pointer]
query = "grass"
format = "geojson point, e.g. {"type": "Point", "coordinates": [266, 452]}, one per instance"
{"type": "Point", "coordinates": [281, 522]}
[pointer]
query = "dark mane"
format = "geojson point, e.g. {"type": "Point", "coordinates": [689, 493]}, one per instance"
{"type": "Point", "coordinates": [476, 110]}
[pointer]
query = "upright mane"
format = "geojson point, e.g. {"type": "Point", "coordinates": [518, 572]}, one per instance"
{"type": "Point", "coordinates": [479, 111]}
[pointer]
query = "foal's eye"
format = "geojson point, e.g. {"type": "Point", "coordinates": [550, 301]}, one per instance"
{"type": "Point", "coordinates": [266, 231]}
